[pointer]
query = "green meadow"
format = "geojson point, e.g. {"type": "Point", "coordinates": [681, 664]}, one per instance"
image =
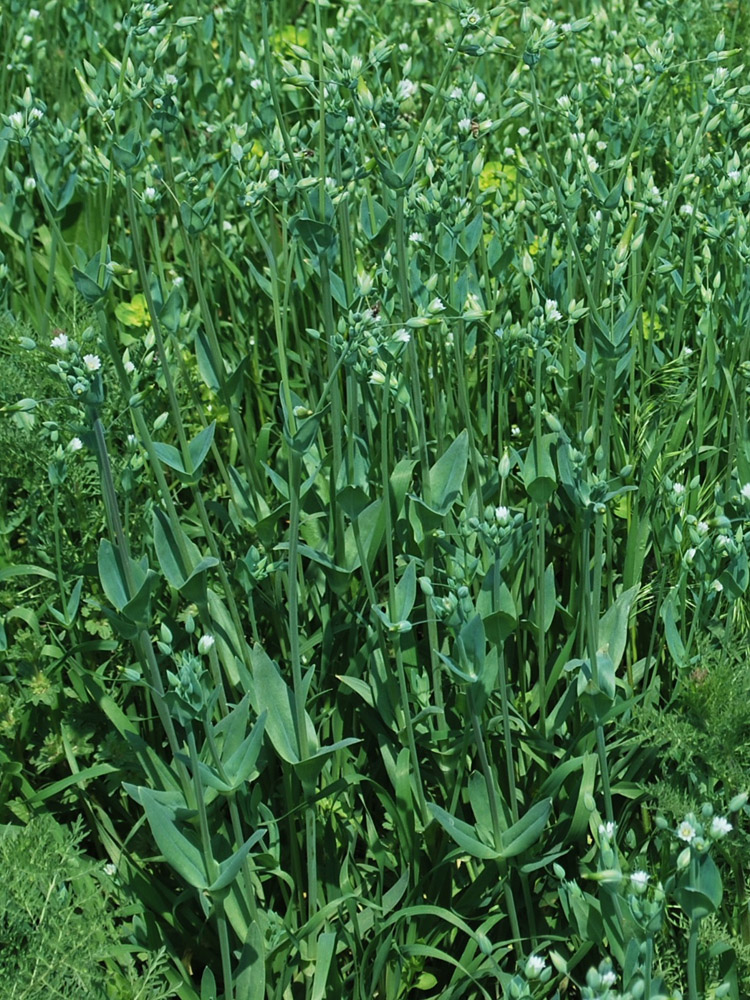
{"type": "Point", "coordinates": [375, 500]}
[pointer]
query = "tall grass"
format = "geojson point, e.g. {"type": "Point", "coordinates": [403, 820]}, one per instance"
{"type": "Point", "coordinates": [386, 369]}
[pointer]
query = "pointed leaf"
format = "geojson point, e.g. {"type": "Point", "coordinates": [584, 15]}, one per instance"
{"type": "Point", "coordinates": [525, 833]}
{"type": "Point", "coordinates": [463, 834]}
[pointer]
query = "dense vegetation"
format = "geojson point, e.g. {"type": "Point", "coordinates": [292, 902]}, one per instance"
{"type": "Point", "coordinates": [375, 509]}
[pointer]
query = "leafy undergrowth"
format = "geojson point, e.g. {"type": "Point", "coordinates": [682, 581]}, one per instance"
{"type": "Point", "coordinates": [376, 498]}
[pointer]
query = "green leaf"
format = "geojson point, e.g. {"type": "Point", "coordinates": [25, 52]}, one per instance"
{"type": "Point", "coordinates": [239, 765]}
{"type": "Point", "coordinates": [671, 632]}
{"type": "Point", "coordinates": [613, 626]}
{"type": "Point", "coordinates": [316, 236]}
{"type": "Point", "coordinates": [250, 974]}
{"type": "Point", "coordinates": [208, 985]}
{"type": "Point", "coordinates": [405, 593]}
{"type": "Point", "coordinates": [372, 218]}
{"type": "Point", "coordinates": [229, 869]}
{"type": "Point", "coordinates": [275, 697]}
{"type": "Point", "coordinates": [179, 852]}
{"type": "Point", "coordinates": [179, 557]}
{"type": "Point", "coordinates": [199, 447]}
{"type": "Point", "coordinates": [463, 833]}
{"type": "Point", "coordinates": [525, 833]}
{"type": "Point", "coordinates": [325, 951]}
{"type": "Point", "coordinates": [538, 469]}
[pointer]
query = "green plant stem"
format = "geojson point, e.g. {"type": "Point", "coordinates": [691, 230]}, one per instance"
{"type": "Point", "coordinates": [489, 781]}
{"type": "Point", "coordinates": [212, 868]}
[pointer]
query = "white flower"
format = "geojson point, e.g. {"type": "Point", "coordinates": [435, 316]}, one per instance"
{"type": "Point", "coordinates": [535, 966]}
{"type": "Point", "coordinates": [639, 879]}
{"type": "Point", "coordinates": [720, 827]}
{"type": "Point", "coordinates": [16, 120]}
{"type": "Point", "coordinates": [110, 869]}
{"type": "Point", "coordinates": [205, 643]}
{"type": "Point", "coordinates": [29, 184]}
{"type": "Point", "coordinates": [607, 830]}
{"type": "Point", "coordinates": [34, 14]}
{"type": "Point", "coordinates": [405, 90]}
{"type": "Point", "coordinates": [480, 98]}
{"type": "Point", "coordinates": [465, 124]}
{"type": "Point", "coordinates": [523, 131]}
{"type": "Point", "coordinates": [377, 378]}
{"type": "Point", "coordinates": [75, 444]}
{"type": "Point", "coordinates": [592, 164]}
{"type": "Point", "coordinates": [402, 335]}
{"type": "Point", "coordinates": [686, 831]}
{"type": "Point", "coordinates": [129, 367]}
{"type": "Point", "coordinates": [702, 527]}
{"type": "Point", "coordinates": [36, 114]}
{"type": "Point", "coordinates": [170, 79]}
{"type": "Point", "coordinates": [734, 176]}
{"type": "Point", "coordinates": [273, 174]}
{"type": "Point", "coordinates": [456, 94]}
{"type": "Point", "coordinates": [92, 362]}
{"type": "Point", "coordinates": [678, 489]}
{"type": "Point", "coordinates": [551, 311]}
{"type": "Point", "coordinates": [502, 515]}
{"type": "Point", "coordinates": [256, 84]}
{"type": "Point", "coordinates": [745, 491]}
{"type": "Point", "coordinates": [686, 209]}
{"type": "Point", "coordinates": [596, 61]}
{"type": "Point", "coordinates": [415, 237]}
{"type": "Point", "coordinates": [149, 195]}
{"type": "Point", "coordinates": [609, 978]}
{"type": "Point", "coordinates": [436, 306]}
{"type": "Point", "coordinates": [564, 102]}
{"type": "Point", "coordinates": [60, 342]}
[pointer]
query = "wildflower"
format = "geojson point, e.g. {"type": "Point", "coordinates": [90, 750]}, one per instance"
{"type": "Point", "coordinates": [734, 176]}
{"type": "Point", "coordinates": [149, 195]}
{"type": "Point", "coordinates": [686, 831]}
{"type": "Point", "coordinates": [480, 98]}
{"type": "Point", "coordinates": [92, 362]}
{"type": "Point", "coordinates": [720, 827]}
{"type": "Point", "coordinates": [609, 978]}
{"type": "Point", "coordinates": [502, 515]}
{"type": "Point", "coordinates": [687, 209]}
{"type": "Point", "coordinates": [592, 164]}
{"type": "Point", "coordinates": [34, 14]}
{"type": "Point", "coordinates": [678, 489]}
{"type": "Point", "coordinates": [29, 184]}
{"type": "Point", "coordinates": [745, 491]}
{"type": "Point", "coordinates": [535, 966]}
{"type": "Point", "coordinates": [456, 94]}
{"type": "Point", "coordinates": [273, 174]}
{"type": "Point", "coordinates": [405, 90]}
{"type": "Point", "coordinates": [129, 367]}
{"type": "Point", "coordinates": [607, 830]}
{"type": "Point", "coordinates": [205, 643]}
{"type": "Point", "coordinates": [436, 306]}
{"type": "Point", "coordinates": [402, 336]}
{"type": "Point", "coordinates": [415, 237]}
{"type": "Point", "coordinates": [377, 378]}
{"type": "Point", "coordinates": [60, 341]}
{"type": "Point", "coordinates": [75, 444]}
{"type": "Point", "coordinates": [465, 125]}
{"type": "Point", "coordinates": [16, 120]}
{"type": "Point", "coordinates": [36, 115]}
{"type": "Point", "coordinates": [551, 311]}
{"type": "Point", "coordinates": [170, 80]}
{"type": "Point", "coordinates": [639, 880]}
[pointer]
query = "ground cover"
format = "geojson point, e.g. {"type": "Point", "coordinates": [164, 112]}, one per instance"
{"type": "Point", "coordinates": [376, 499]}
